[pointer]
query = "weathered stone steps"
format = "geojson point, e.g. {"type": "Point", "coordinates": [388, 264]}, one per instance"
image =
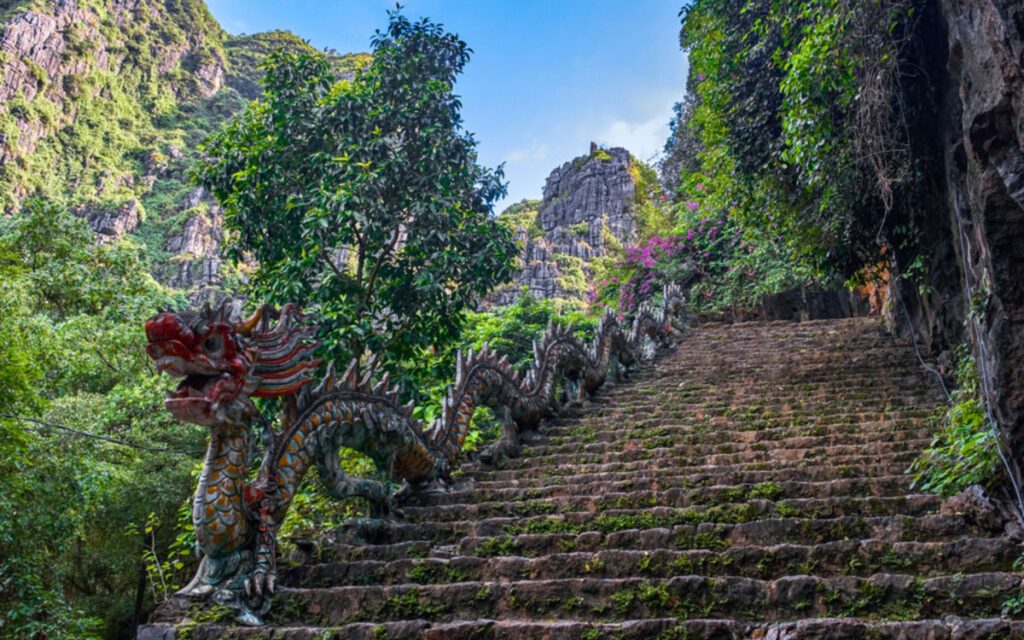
{"type": "Point", "coordinates": [710, 489]}
{"type": "Point", "coordinates": [843, 557]}
{"type": "Point", "coordinates": [948, 628]}
{"type": "Point", "coordinates": [773, 532]}
{"type": "Point", "coordinates": [683, 596]}
{"type": "Point", "coordinates": [701, 476]}
{"type": "Point", "coordinates": [716, 508]}
{"type": "Point", "coordinates": [898, 460]}
{"type": "Point", "coordinates": [750, 485]}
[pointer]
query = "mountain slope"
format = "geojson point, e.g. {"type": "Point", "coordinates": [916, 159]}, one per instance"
{"type": "Point", "coordinates": [103, 105]}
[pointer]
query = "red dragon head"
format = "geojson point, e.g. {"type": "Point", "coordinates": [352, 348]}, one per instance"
{"type": "Point", "coordinates": [224, 364]}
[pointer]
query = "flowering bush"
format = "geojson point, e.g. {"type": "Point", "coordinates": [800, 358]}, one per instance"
{"type": "Point", "coordinates": [723, 264]}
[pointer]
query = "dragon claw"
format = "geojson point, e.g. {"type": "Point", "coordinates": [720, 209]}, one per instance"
{"type": "Point", "coordinates": [261, 583]}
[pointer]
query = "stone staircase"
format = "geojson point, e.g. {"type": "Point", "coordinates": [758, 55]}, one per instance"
{"type": "Point", "coordinates": [748, 485]}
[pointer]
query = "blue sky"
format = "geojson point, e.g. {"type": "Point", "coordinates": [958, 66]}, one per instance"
{"type": "Point", "coordinates": [545, 78]}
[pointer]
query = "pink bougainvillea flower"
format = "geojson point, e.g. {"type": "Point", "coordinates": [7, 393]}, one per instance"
{"type": "Point", "coordinates": [692, 205]}
{"type": "Point", "coordinates": [689, 234]}
{"type": "Point", "coordinates": [700, 186]}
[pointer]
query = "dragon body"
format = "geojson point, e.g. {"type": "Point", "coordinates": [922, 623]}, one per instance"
{"type": "Point", "coordinates": [224, 365]}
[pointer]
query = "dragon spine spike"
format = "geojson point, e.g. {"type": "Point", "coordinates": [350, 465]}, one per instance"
{"type": "Point", "coordinates": [327, 382]}
{"type": "Point", "coordinates": [382, 385]}
{"type": "Point", "coordinates": [364, 384]}
{"type": "Point", "coordinates": [349, 378]}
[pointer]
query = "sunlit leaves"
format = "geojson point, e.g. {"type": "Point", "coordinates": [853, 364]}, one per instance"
{"type": "Point", "coordinates": [363, 200]}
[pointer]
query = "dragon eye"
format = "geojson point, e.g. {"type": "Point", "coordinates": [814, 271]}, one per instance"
{"type": "Point", "coordinates": [212, 344]}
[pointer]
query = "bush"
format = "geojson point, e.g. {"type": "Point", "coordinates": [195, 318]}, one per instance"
{"type": "Point", "coordinates": [963, 450]}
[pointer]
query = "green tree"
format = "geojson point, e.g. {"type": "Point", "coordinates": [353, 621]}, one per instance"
{"type": "Point", "coordinates": [73, 377]}
{"type": "Point", "coordinates": [363, 199]}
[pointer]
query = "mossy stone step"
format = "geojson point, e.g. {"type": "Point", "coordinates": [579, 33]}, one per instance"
{"type": "Point", "coordinates": [890, 596]}
{"type": "Point", "coordinates": [843, 557]}
{"type": "Point", "coordinates": [772, 532]}
{"type": "Point", "coordinates": [662, 489]}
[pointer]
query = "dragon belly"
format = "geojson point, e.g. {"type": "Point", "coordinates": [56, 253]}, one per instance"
{"type": "Point", "coordinates": [218, 511]}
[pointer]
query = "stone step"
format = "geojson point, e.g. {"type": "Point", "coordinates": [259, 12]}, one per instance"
{"type": "Point", "coordinates": [544, 516]}
{"type": "Point", "coordinates": [372, 543]}
{"type": "Point", "coordinates": [584, 439]}
{"type": "Point", "coordinates": [845, 557]}
{"type": "Point", "coordinates": [886, 596]}
{"type": "Point", "coordinates": [719, 453]}
{"type": "Point", "coordinates": [617, 521]}
{"type": "Point", "coordinates": [897, 460]}
{"type": "Point", "coordinates": [704, 503]}
{"type": "Point", "coordinates": [701, 476]}
{"type": "Point", "coordinates": [947, 628]}
{"type": "Point", "coordinates": [601, 489]}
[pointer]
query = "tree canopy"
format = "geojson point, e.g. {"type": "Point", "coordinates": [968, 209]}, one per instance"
{"type": "Point", "coordinates": [362, 199]}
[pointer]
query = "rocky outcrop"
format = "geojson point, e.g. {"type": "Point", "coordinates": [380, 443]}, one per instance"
{"type": "Point", "coordinates": [47, 53]}
{"type": "Point", "coordinates": [967, 136]}
{"type": "Point", "coordinates": [985, 182]}
{"type": "Point", "coordinates": [33, 45]}
{"type": "Point", "coordinates": [196, 262]}
{"type": "Point", "coordinates": [112, 223]}
{"type": "Point", "coordinates": [117, 156]}
{"type": "Point", "coordinates": [588, 205]}
{"type": "Point", "coordinates": [587, 197]}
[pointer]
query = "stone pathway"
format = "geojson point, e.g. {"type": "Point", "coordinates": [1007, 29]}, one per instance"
{"type": "Point", "coordinates": [749, 485]}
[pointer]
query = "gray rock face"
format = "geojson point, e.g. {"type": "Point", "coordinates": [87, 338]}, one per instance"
{"type": "Point", "coordinates": [985, 186]}
{"type": "Point", "coordinates": [36, 47]}
{"type": "Point", "coordinates": [588, 203]}
{"type": "Point", "coordinates": [598, 192]}
{"type": "Point", "coordinates": [110, 224]}
{"type": "Point", "coordinates": [197, 247]}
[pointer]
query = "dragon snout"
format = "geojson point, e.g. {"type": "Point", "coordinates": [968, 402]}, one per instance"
{"type": "Point", "coordinates": [169, 338]}
{"type": "Point", "coordinates": [168, 326]}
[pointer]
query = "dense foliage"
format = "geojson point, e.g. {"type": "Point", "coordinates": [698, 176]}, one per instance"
{"type": "Point", "coordinates": [89, 454]}
{"type": "Point", "coordinates": [963, 450]}
{"type": "Point", "coordinates": [787, 127]}
{"type": "Point", "coordinates": [363, 198]}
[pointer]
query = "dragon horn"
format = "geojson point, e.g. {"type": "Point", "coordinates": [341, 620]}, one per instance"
{"type": "Point", "coordinates": [246, 326]}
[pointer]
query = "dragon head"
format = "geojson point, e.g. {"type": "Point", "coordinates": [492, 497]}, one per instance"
{"type": "Point", "coordinates": [224, 364]}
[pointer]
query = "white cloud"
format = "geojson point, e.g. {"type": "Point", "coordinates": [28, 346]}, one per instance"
{"type": "Point", "coordinates": [643, 139]}
{"type": "Point", "coordinates": [535, 151]}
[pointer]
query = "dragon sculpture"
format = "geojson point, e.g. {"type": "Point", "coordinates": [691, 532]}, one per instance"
{"type": "Point", "coordinates": [224, 365]}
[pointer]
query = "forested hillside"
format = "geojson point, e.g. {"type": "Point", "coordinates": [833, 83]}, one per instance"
{"type": "Point", "coordinates": [104, 106]}
{"type": "Point", "coordinates": [827, 159]}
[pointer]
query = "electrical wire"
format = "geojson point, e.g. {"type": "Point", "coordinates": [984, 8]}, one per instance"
{"type": "Point", "coordinates": [41, 424]}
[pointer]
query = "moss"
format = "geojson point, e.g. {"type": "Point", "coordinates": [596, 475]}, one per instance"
{"type": "Point", "coordinates": [572, 278]}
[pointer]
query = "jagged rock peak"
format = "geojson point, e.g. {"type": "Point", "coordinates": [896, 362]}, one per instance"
{"type": "Point", "coordinates": [589, 204]}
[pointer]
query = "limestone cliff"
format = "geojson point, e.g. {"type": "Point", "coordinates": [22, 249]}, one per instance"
{"type": "Point", "coordinates": [588, 210]}
{"type": "Point", "coordinates": [985, 190]}
{"type": "Point", "coordinates": [103, 106]}
{"type": "Point", "coordinates": [971, 90]}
